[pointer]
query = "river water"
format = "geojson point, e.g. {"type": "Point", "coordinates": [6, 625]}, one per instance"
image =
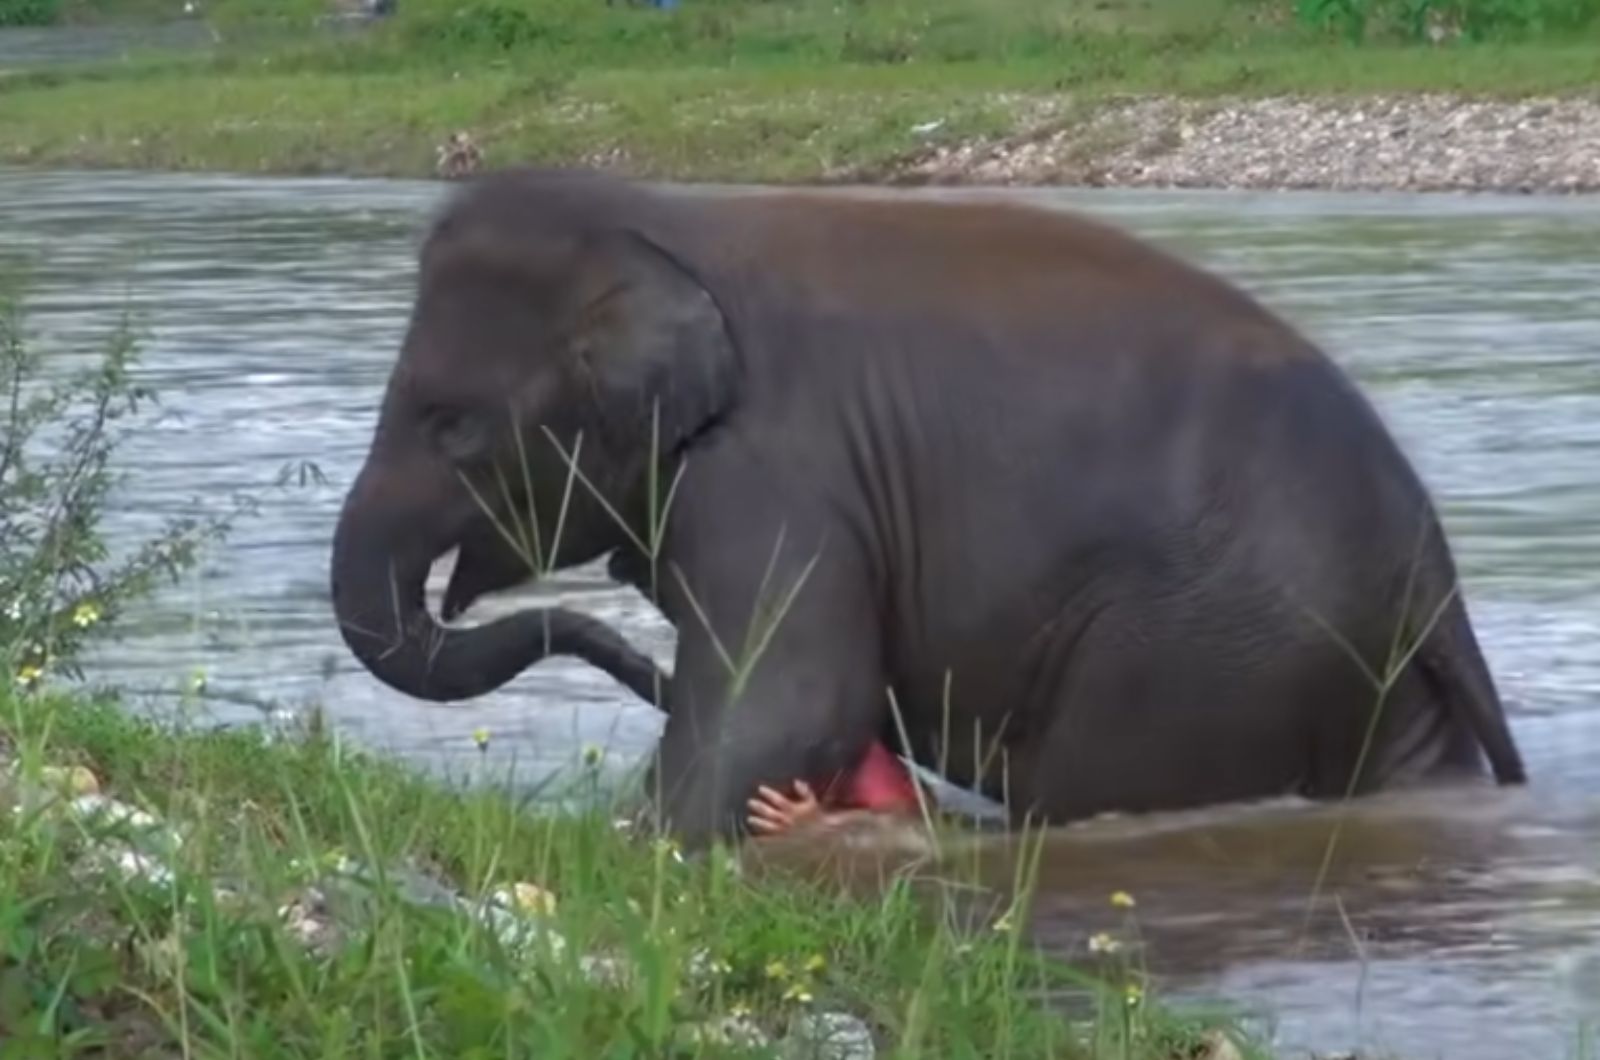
{"type": "Point", "coordinates": [1465, 927]}
{"type": "Point", "coordinates": [29, 47]}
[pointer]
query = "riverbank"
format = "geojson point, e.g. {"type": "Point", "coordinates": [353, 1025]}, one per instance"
{"type": "Point", "coordinates": [263, 892]}
{"type": "Point", "coordinates": [172, 887]}
{"type": "Point", "coordinates": [1120, 93]}
{"type": "Point", "coordinates": [1376, 143]}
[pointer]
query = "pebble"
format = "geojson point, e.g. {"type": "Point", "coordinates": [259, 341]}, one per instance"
{"type": "Point", "coordinates": [1218, 1046]}
{"type": "Point", "coordinates": [829, 1036]}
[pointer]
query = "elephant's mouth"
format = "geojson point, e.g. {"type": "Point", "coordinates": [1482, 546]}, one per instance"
{"type": "Point", "coordinates": [459, 594]}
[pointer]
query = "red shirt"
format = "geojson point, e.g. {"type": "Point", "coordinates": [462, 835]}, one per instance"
{"type": "Point", "coordinates": [880, 781]}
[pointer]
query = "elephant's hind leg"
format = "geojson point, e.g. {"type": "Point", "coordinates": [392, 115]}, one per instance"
{"type": "Point", "coordinates": [1161, 712]}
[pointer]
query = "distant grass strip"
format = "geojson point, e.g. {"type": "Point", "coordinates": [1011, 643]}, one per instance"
{"type": "Point", "coordinates": [716, 90]}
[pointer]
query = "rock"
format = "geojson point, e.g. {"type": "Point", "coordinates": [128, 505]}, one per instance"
{"type": "Point", "coordinates": [828, 1036]}
{"type": "Point", "coordinates": [1216, 1045]}
{"type": "Point", "coordinates": [131, 865]}
{"type": "Point", "coordinates": [736, 1030]}
{"type": "Point", "coordinates": [525, 897]}
{"type": "Point", "coordinates": [309, 920]}
{"type": "Point", "coordinates": [130, 823]}
{"type": "Point", "coordinates": [519, 933]}
{"type": "Point", "coordinates": [74, 780]}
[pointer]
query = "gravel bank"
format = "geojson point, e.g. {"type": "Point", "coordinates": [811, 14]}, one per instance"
{"type": "Point", "coordinates": [1403, 143]}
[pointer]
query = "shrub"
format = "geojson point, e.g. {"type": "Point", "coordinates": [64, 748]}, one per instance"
{"type": "Point", "coordinates": [59, 583]}
{"type": "Point", "coordinates": [1478, 20]}
{"type": "Point", "coordinates": [29, 12]}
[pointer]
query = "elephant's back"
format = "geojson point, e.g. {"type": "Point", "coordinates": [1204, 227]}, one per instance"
{"type": "Point", "coordinates": [987, 264]}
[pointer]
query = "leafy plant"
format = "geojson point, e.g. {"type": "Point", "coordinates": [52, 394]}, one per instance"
{"type": "Point", "coordinates": [1477, 20]}
{"type": "Point", "coordinates": [1349, 17]}
{"type": "Point", "coordinates": [29, 12]}
{"type": "Point", "coordinates": [59, 583]}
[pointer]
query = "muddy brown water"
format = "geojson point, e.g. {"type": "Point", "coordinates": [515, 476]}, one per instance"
{"type": "Point", "coordinates": [1461, 925]}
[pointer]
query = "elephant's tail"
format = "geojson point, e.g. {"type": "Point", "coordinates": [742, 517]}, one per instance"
{"type": "Point", "coordinates": [1454, 663]}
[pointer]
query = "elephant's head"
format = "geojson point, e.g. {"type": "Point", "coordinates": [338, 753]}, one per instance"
{"type": "Point", "coordinates": [554, 351]}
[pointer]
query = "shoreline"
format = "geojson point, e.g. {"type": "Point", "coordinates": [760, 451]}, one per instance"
{"type": "Point", "coordinates": [1424, 142]}
{"type": "Point", "coordinates": [1392, 142]}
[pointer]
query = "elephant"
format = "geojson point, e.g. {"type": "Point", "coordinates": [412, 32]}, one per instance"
{"type": "Point", "coordinates": [1073, 521]}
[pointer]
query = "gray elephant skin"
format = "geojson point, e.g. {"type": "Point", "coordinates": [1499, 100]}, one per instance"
{"type": "Point", "coordinates": [1103, 531]}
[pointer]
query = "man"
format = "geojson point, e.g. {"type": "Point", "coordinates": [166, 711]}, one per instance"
{"type": "Point", "coordinates": [879, 783]}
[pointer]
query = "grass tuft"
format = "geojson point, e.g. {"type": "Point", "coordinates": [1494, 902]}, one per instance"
{"type": "Point", "coordinates": [324, 902]}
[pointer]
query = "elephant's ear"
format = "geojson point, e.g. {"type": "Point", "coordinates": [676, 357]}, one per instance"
{"type": "Point", "coordinates": [648, 336]}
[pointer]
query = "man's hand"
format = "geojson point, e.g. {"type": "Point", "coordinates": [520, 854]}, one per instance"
{"type": "Point", "coordinates": [772, 813]}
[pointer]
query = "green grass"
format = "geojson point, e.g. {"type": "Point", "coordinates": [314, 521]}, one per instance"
{"type": "Point", "coordinates": [93, 963]}
{"type": "Point", "coordinates": [720, 89]}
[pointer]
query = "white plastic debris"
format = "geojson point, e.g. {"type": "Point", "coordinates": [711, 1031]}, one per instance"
{"type": "Point", "coordinates": [131, 865]}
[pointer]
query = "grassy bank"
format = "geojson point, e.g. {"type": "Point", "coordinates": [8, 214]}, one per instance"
{"type": "Point", "coordinates": [732, 90]}
{"type": "Point", "coordinates": [245, 942]}
{"type": "Point", "coordinates": [169, 889]}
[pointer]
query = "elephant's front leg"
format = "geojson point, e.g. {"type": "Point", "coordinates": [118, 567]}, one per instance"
{"type": "Point", "coordinates": [778, 675]}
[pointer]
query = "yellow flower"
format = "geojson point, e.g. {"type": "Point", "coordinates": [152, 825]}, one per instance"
{"type": "Point", "coordinates": [815, 963]}
{"type": "Point", "coordinates": [1103, 943]}
{"type": "Point", "coordinates": [799, 993]}
{"type": "Point", "coordinates": [777, 970]}
{"type": "Point", "coordinates": [1133, 993]}
{"type": "Point", "coordinates": [85, 615]}
{"type": "Point", "coordinates": [1122, 900]}
{"type": "Point", "coordinates": [531, 898]}
{"type": "Point", "coordinates": [29, 675]}
{"type": "Point", "coordinates": [480, 736]}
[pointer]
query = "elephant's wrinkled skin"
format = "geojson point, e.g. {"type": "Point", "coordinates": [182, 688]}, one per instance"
{"type": "Point", "coordinates": [1157, 541]}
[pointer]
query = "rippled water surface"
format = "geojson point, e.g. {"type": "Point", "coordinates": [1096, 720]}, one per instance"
{"type": "Point", "coordinates": [28, 46]}
{"type": "Point", "coordinates": [1470, 924]}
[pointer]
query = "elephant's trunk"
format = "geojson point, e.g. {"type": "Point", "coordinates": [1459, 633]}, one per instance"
{"type": "Point", "coordinates": [383, 548]}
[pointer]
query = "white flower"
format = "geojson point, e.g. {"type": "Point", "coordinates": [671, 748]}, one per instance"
{"type": "Point", "coordinates": [1103, 943]}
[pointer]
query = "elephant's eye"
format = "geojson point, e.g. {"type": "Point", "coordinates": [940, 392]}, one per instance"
{"type": "Point", "coordinates": [459, 434]}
